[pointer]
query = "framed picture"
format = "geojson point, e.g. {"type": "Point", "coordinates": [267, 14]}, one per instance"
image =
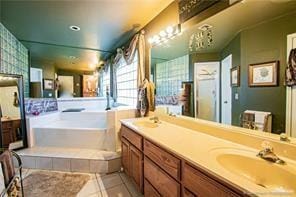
{"type": "Point", "coordinates": [235, 76]}
{"type": "Point", "coordinates": [48, 84]}
{"type": "Point", "coordinates": [263, 74]}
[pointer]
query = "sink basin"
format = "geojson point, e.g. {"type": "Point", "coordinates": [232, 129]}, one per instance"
{"type": "Point", "coordinates": [271, 176]}
{"type": "Point", "coordinates": [145, 123]}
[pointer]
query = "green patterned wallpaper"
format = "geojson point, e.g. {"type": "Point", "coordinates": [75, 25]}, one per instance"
{"type": "Point", "coordinates": [13, 57]}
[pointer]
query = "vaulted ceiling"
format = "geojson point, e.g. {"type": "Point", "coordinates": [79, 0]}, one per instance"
{"type": "Point", "coordinates": [43, 27]}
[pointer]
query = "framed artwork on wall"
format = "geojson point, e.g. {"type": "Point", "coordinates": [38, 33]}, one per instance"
{"type": "Point", "coordinates": [263, 74]}
{"type": "Point", "coordinates": [48, 84]}
{"type": "Point", "coordinates": [235, 76]}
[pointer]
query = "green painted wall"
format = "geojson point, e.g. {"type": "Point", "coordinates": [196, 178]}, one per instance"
{"type": "Point", "coordinates": [261, 43]}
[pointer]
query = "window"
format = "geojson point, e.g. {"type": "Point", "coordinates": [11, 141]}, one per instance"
{"type": "Point", "coordinates": [170, 74]}
{"type": "Point", "coordinates": [106, 81]}
{"type": "Point", "coordinates": [127, 82]}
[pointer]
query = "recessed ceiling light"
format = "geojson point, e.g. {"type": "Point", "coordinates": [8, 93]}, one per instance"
{"type": "Point", "coordinates": [74, 28]}
{"type": "Point", "coordinates": [92, 66]}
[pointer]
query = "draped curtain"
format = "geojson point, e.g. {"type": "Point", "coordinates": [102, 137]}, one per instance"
{"type": "Point", "coordinates": [101, 74]}
{"type": "Point", "coordinates": [136, 44]}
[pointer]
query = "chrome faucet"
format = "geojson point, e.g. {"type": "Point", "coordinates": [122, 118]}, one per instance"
{"type": "Point", "coordinates": [155, 119]}
{"type": "Point", "coordinates": [268, 154]}
{"type": "Point", "coordinates": [172, 114]}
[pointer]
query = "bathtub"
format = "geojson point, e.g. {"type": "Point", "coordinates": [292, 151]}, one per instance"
{"type": "Point", "coordinates": [84, 129]}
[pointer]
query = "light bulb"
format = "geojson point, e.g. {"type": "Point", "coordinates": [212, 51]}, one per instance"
{"type": "Point", "coordinates": [170, 29]}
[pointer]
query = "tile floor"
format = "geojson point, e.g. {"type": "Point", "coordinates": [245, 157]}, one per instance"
{"type": "Point", "coordinates": [104, 185]}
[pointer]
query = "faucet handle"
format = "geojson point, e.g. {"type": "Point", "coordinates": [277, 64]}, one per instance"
{"type": "Point", "coordinates": [266, 145]}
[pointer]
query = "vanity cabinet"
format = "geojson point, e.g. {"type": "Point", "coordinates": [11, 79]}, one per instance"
{"type": "Point", "coordinates": [132, 156]}
{"type": "Point", "coordinates": [10, 131]}
{"type": "Point", "coordinates": [159, 172]}
{"type": "Point", "coordinates": [196, 183]}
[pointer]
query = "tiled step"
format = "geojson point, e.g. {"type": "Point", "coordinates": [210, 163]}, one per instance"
{"type": "Point", "coordinates": [70, 159]}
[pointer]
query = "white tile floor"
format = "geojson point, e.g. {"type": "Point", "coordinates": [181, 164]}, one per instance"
{"type": "Point", "coordinates": [104, 185]}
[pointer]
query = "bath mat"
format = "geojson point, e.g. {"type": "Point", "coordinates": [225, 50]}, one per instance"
{"type": "Point", "coordinates": [54, 184]}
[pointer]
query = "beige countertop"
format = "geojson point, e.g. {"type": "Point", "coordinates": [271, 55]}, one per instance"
{"type": "Point", "coordinates": [201, 150]}
{"type": "Point", "coordinates": [6, 119]}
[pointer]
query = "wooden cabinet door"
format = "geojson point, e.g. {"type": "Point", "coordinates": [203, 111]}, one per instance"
{"type": "Point", "coordinates": [149, 190]}
{"type": "Point", "coordinates": [136, 166]}
{"type": "Point", "coordinates": [187, 193]}
{"type": "Point", "coordinates": [125, 155]}
{"type": "Point", "coordinates": [6, 138]}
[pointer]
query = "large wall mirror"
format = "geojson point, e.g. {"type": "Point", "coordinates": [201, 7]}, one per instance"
{"type": "Point", "coordinates": [13, 123]}
{"type": "Point", "coordinates": [231, 67]}
{"type": "Point", "coordinates": [75, 75]}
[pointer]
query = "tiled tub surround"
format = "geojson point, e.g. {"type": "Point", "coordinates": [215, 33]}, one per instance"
{"type": "Point", "coordinates": [13, 57]}
{"type": "Point", "coordinates": [70, 159]}
{"type": "Point", "coordinates": [75, 149]}
{"type": "Point", "coordinates": [41, 105]}
{"type": "Point", "coordinates": [88, 103]}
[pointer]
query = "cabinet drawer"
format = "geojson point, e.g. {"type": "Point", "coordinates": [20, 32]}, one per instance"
{"type": "Point", "coordinates": [201, 185]}
{"type": "Point", "coordinates": [132, 137]}
{"type": "Point", "coordinates": [7, 125]}
{"type": "Point", "coordinates": [162, 182]}
{"type": "Point", "coordinates": [165, 160]}
{"type": "Point", "coordinates": [149, 190]}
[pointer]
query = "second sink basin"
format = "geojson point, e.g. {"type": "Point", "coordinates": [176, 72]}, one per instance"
{"type": "Point", "coordinates": [145, 123]}
{"type": "Point", "coordinates": [274, 177]}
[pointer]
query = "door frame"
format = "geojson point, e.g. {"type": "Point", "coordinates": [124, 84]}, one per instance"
{"type": "Point", "coordinates": [289, 91]}
{"type": "Point", "coordinates": [218, 87]}
{"type": "Point", "coordinates": [230, 88]}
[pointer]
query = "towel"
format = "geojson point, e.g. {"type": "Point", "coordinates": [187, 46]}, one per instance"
{"type": "Point", "coordinates": [2, 184]}
{"type": "Point", "coordinates": [151, 96]}
{"type": "Point", "coordinates": [146, 96]}
{"type": "Point", "coordinates": [7, 166]}
{"type": "Point", "coordinates": [291, 69]}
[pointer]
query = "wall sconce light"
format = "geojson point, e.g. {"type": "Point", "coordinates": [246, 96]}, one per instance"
{"type": "Point", "coordinates": [169, 33]}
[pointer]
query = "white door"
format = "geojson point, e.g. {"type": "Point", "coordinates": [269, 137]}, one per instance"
{"type": "Point", "coordinates": [36, 75]}
{"type": "Point", "coordinates": [206, 90]}
{"type": "Point", "coordinates": [291, 95]}
{"type": "Point", "coordinates": [66, 88]}
{"type": "Point", "coordinates": [226, 90]}
{"type": "Point", "coordinates": [206, 98]}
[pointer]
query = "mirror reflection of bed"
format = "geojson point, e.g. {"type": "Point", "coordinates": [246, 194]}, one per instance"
{"type": "Point", "coordinates": [10, 113]}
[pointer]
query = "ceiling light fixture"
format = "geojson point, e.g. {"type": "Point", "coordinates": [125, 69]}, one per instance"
{"type": "Point", "coordinates": [74, 28]}
{"type": "Point", "coordinates": [202, 38]}
{"type": "Point", "coordinates": [164, 35]}
{"type": "Point", "coordinates": [72, 57]}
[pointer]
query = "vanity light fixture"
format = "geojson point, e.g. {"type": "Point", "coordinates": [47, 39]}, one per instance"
{"type": "Point", "coordinates": [164, 35]}
{"type": "Point", "coordinates": [92, 66]}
